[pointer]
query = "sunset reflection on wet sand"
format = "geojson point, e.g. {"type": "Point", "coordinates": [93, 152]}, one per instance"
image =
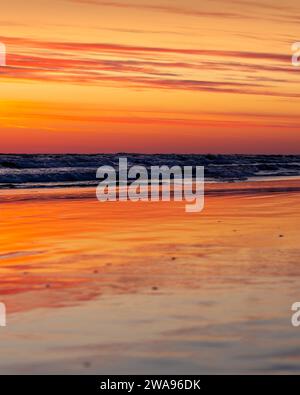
{"type": "Point", "coordinates": [147, 288]}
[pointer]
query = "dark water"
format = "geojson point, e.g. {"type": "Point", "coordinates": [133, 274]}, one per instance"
{"type": "Point", "coordinates": [27, 171]}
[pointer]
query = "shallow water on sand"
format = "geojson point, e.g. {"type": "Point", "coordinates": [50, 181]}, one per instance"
{"type": "Point", "coordinates": [146, 288]}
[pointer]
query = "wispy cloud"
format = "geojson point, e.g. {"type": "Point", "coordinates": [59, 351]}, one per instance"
{"type": "Point", "coordinates": [87, 63]}
{"type": "Point", "coordinates": [162, 8]}
{"type": "Point", "coordinates": [121, 48]}
{"type": "Point", "coordinates": [240, 11]}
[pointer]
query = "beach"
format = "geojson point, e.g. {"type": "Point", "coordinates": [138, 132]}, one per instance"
{"type": "Point", "coordinates": [146, 288]}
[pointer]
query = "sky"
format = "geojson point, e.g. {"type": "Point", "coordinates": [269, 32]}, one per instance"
{"type": "Point", "coordinates": [153, 76]}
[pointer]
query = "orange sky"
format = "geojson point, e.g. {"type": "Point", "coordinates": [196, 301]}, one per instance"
{"type": "Point", "coordinates": [150, 76]}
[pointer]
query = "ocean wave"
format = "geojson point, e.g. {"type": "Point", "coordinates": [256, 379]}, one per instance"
{"type": "Point", "coordinates": [64, 170]}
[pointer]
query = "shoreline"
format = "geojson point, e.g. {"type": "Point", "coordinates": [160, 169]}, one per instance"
{"type": "Point", "coordinates": [286, 185]}
{"type": "Point", "coordinates": [90, 184]}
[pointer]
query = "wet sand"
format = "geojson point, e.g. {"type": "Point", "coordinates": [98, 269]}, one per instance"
{"type": "Point", "coordinates": [123, 288]}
